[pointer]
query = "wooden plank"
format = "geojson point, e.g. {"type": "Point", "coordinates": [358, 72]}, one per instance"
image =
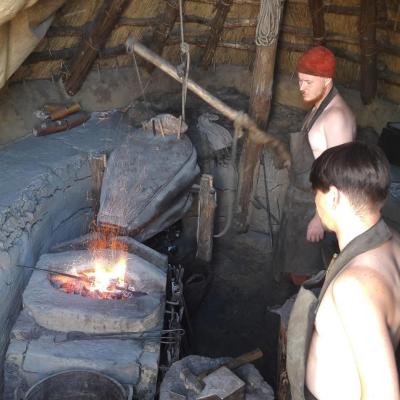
{"type": "Point", "coordinates": [90, 45]}
{"type": "Point", "coordinates": [217, 26]}
{"type": "Point", "coordinates": [97, 163]}
{"type": "Point", "coordinates": [368, 70]}
{"type": "Point", "coordinates": [317, 17]}
{"type": "Point", "coordinates": [205, 225]}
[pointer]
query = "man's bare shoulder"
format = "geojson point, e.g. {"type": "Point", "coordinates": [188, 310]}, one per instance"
{"type": "Point", "coordinates": [339, 113]}
{"type": "Point", "coordinates": [372, 280]}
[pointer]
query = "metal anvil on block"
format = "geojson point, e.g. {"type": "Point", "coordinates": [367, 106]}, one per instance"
{"type": "Point", "coordinates": [222, 384]}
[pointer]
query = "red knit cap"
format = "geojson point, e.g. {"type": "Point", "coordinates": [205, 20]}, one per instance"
{"type": "Point", "coordinates": [318, 61]}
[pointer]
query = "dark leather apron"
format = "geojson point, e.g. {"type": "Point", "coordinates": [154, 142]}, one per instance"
{"type": "Point", "coordinates": [302, 317]}
{"type": "Point", "coordinates": [293, 252]}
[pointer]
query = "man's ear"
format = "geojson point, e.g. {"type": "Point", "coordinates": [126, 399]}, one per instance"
{"type": "Point", "coordinates": [327, 81]}
{"type": "Point", "coordinates": [334, 196]}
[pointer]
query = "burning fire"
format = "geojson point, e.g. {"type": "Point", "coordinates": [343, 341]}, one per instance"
{"type": "Point", "coordinates": [107, 278]}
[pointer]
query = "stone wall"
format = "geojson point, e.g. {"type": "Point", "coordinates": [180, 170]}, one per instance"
{"type": "Point", "coordinates": [44, 199]}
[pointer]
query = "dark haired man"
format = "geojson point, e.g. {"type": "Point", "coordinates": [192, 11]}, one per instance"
{"type": "Point", "coordinates": [341, 345]}
{"type": "Point", "coordinates": [329, 123]}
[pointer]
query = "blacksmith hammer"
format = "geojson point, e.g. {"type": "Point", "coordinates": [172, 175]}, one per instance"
{"type": "Point", "coordinates": [195, 382]}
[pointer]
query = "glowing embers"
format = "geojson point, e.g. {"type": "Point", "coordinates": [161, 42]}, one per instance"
{"type": "Point", "coordinates": [104, 281]}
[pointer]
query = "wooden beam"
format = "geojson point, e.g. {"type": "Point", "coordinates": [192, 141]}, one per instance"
{"type": "Point", "coordinates": [368, 70]}
{"type": "Point", "coordinates": [239, 2]}
{"type": "Point", "coordinates": [317, 16]}
{"type": "Point", "coordinates": [205, 225]}
{"type": "Point", "coordinates": [342, 10]}
{"type": "Point", "coordinates": [91, 44]}
{"type": "Point", "coordinates": [163, 29]}
{"type": "Point", "coordinates": [259, 109]}
{"type": "Point", "coordinates": [217, 26]}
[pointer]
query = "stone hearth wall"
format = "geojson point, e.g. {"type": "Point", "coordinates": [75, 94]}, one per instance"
{"type": "Point", "coordinates": [44, 199]}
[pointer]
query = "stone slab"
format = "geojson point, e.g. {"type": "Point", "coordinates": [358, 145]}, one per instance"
{"type": "Point", "coordinates": [46, 303]}
{"type": "Point", "coordinates": [35, 353]}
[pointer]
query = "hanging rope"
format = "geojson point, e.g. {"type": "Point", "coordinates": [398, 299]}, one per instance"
{"type": "Point", "coordinates": [268, 22]}
{"type": "Point", "coordinates": [239, 124]}
{"type": "Point", "coordinates": [142, 88]}
{"type": "Point", "coordinates": [183, 68]}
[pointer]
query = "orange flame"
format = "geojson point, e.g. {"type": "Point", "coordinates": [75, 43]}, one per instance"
{"type": "Point", "coordinates": [107, 277]}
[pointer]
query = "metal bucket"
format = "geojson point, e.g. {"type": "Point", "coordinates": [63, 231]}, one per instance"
{"type": "Point", "coordinates": [78, 385]}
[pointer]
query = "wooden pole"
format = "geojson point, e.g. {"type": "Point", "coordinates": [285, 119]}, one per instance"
{"type": "Point", "coordinates": [317, 16]}
{"type": "Point", "coordinates": [97, 165]}
{"type": "Point", "coordinates": [92, 43]}
{"type": "Point", "coordinates": [205, 226]}
{"type": "Point", "coordinates": [241, 118]}
{"type": "Point", "coordinates": [368, 47]}
{"type": "Point", "coordinates": [217, 26]}
{"type": "Point", "coordinates": [163, 29]}
{"type": "Point", "coordinates": [260, 105]}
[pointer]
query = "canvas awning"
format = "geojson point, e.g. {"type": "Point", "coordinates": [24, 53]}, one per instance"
{"type": "Point", "coordinates": [23, 24]}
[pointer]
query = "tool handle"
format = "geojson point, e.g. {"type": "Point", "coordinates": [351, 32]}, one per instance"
{"type": "Point", "coordinates": [236, 362]}
{"type": "Point", "coordinates": [64, 111]}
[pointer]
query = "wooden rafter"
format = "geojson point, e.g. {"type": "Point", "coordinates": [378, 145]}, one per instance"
{"type": "Point", "coordinates": [317, 17]}
{"type": "Point", "coordinates": [92, 43]}
{"type": "Point", "coordinates": [368, 66]}
{"type": "Point", "coordinates": [217, 26]}
{"type": "Point", "coordinates": [163, 29]}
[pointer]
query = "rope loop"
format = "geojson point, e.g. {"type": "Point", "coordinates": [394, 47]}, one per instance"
{"type": "Point", "coordinates": [268, 22]}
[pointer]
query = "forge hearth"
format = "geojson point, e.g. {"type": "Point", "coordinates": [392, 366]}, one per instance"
{"type": "Point", "coordinates": [59, 331]}
{"type": "Point", "coordinates": [55, 309]}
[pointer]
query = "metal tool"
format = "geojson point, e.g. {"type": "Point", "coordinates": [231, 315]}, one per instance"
{"type": "Point", "coordinates": [82, 278]}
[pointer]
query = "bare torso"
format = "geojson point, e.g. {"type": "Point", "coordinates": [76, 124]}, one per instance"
{"type": "Point", "coordinates": [333, 371]}
{"type": "Point", "coordinates": [336, 125]}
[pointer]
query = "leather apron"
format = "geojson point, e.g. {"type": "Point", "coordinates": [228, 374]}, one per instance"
{"type": "Point", "coordinates": [293, 253]}
{"type": "Point", "coordinates": [302, 317]}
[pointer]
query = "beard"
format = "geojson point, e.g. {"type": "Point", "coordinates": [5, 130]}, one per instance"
{"type": "Point", "coordinates": [316, 99]}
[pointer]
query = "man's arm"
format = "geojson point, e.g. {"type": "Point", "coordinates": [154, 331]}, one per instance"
{"type": "Point", "coordinates": [338, 128]}
{"type": "Point", "coordinates": [361, 299]}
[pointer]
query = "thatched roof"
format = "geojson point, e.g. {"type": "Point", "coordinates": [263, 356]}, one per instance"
{"type": "Point", "coordinates": [236, 46]}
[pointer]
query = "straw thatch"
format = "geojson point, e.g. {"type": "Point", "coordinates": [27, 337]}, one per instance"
{"type": "Point", "coordinates": [236, 46]}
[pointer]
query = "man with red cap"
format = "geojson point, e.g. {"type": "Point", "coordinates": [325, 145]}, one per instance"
{"type": "Point", "coordinates": [330, 122]}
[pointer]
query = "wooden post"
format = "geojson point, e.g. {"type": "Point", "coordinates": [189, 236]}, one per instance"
{"type": "Point", "coordinates": [260, 105]}
{"type": "Point", "coordinates": [93, 42]}
{"type": "Point", "coordinates": [317, 16]}
{"type": "Point", "coordinates": [163, 29]}
{"type": "Point", "coordinates": [217, 26]}
{"type": "Point", "coordinates": [205, 225]}
{"type": "Point", "coordinates": [97, 165]}
{"type": "Point", "coordinates": [368, 69]}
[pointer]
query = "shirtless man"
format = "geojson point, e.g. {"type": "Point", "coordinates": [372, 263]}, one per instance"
{"type": "Point", "coordinates": [357, 325]}
{"type": "Point", "coordinates": [329, 123]}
